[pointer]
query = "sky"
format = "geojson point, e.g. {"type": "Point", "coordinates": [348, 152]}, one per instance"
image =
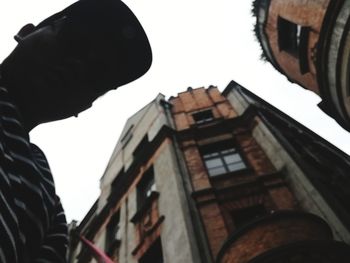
{"type": "Point", "coordinates": [195, 43]}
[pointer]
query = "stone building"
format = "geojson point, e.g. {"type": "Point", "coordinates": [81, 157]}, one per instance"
{"type": "Point", "coordinates": [309, 42]}
{"type": "Point", "coordinates": [210, 177]}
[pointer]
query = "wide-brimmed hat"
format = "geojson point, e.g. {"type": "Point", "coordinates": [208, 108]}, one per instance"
{"type": "Point", "coordinates": [121, 48]}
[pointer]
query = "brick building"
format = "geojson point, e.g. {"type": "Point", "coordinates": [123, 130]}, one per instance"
{"type": "Point", "coordinates": [219, 177]}
{"type": "Point", "coordinates": [309, 42]}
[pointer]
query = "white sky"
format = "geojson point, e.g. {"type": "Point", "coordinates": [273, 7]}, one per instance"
{"type": "Point", "coordinates": [195, 43]}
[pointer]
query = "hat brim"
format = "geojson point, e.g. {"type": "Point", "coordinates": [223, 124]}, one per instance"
{"type": "Point", "coordinates": [124, 46]}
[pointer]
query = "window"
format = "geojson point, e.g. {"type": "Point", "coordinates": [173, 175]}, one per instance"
{"type": "Point", "coordinates": [222, 160]}
{"type": "Point", "coordinates": [141, 147]}
{"type": "Point", "coordinates": [243, 216]}
{"type": "Point", "coordinates": [113, 233]}
{"type": "Point", "coordinates": [288, 36]}
{"type": "Point", "coordinates": [145, 187]}
{"type": "Point", "coordinates": [154, 254]}
{"type": "Point", "coordinates": [203, 116]}
{"type": "Point", "coordinates": [127, 136]}
{"type": "Point", "coordinates": [294, 38]}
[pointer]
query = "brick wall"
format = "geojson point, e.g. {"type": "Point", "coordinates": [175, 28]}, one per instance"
{"type": "Point", "coordinates": [217, 197]}
{"type": "Point", "coordinates": [307, 13]}
{"type": "Point", "coordinates": [194, 100]}
{"type": "Point", "coordinates": [272, 233]}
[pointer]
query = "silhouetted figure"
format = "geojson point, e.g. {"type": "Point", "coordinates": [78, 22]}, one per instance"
{"type": "Point", "coordinates": [57, 70]}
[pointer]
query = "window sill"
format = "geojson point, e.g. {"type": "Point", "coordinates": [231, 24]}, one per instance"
{"type": "Point", "coordinates": [206, 123]}
{"type": "Point", "coordinates": [230, 174]}
{"type": "Point", "coordinates": [148, 233]}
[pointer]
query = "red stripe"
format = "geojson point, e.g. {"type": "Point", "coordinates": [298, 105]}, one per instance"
{"type": "Point", "coordinates": [97, 253]}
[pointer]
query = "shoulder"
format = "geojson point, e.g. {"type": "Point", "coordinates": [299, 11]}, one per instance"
{"type": "Point", "coordinates": [39, 155]}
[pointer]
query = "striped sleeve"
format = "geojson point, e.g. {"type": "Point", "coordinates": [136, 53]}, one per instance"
{"type": "Point", "coordinates": [55, 244]}
{"type": "Point", "coordinates": [32, 222]}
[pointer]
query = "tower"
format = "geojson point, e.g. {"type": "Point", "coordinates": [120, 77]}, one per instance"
{"type": "Point", "coordinates": [210, 176]}
{"type": "Point", "coordinates": [308, 42]}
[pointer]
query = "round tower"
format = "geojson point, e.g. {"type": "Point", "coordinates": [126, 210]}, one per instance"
{"type": "Point", "coordinates": [285, 236]}
{"type": "Point", "coordinates": [309, 42]}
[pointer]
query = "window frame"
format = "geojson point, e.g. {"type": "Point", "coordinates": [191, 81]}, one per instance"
{"type": "Point", "coordinates": [288, 36]}
{"type": "Point", "coordinates": [111, 239]}
{"type": "Point", "coordinates": [293, 38]}
{"type": "Point", "coordinates": [217, 150]}
{"type": "Point", "coordinates": [148, 181]}
{"type": "Point", "coordinates": [199, 120]}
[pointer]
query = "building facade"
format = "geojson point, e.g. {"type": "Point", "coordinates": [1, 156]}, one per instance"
{"type": "Point", "coordinates": [309, 42]}
{"type": "Point", "coordinates": [219, 177]}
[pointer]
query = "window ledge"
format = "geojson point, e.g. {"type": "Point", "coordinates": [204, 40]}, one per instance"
{"type": "Point", "coordinates": [148, 233]}
{"type": "Point", "coordinates": [207, 123]}
{"type": "Point", "coordinates": [230, 174]}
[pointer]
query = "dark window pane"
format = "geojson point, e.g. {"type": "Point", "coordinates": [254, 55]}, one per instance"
{"type": "Point", "coordinates": [145, 187]}
{"type": "Point", "coordinates": [154, 254]}
{"type": "Point", "coordinates": [112, 231]}
{"type": "Point", "coordinates": [203, 116]}
{"type": "Point", "coordinates": [288, 36]}
{"type": "Point", "coordinates": [142, 146]}
{"type": "Point", "coordinates": [294, 39]}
